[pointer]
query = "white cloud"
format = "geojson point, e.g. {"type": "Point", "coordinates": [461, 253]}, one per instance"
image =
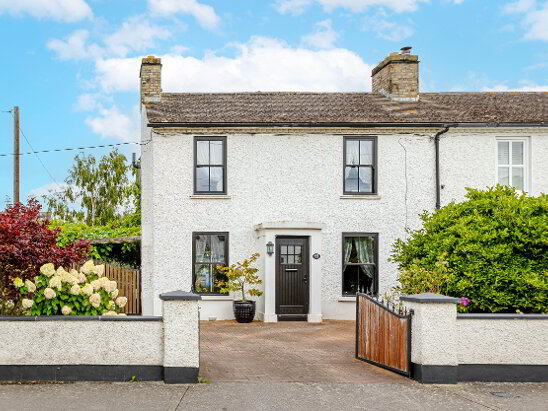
{"type": "Point", "coordinates": [135, 34]}
{"type": "Point", "coordinates": [178, 49]}
{"type": "Point", "coordinates": [535, 19]}
{"type": "Point", "coordinates": [261, 64]}
{"type": "Point", "coordinates": [386, 29]}
{"type": "Point", "coordinates": [47, 189]}
{"type": "Point", "coordinates": [298, 6]}
{"type": "Point", "coordinates": [60, 10]}
{"type": "Point", "coordinates": [112, 123]}
{"type": "Point", "coordinates": [526, 87]}
{"type": "Point", "coordinates": [75, 46]}
{"type": "Point", "coordinates": [323, 37]}
{"type": "Point", "coordinates": [205, 14]}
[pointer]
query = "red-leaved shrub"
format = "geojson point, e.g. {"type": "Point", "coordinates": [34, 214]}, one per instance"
{"type": "Point", "coordinates": [26, 243]}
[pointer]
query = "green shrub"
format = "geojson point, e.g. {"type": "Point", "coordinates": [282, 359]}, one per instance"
{"type": "Point", "coordinates": [84, 292]}
{"type": "Point", "coordinates": [492, 249]}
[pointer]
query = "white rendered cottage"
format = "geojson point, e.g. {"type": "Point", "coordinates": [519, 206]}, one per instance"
{"type": "Point", "coordinates": [327, 180]}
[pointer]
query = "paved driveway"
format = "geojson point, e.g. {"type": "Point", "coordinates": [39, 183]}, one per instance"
{"type": "Point", "coordinates": [285, 352]}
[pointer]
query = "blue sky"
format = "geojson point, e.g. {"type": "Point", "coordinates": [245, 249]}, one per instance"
{"type": "Point", "coordinates": [72, 65]}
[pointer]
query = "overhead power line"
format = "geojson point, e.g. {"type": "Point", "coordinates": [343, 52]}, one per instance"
{"type": "Point", "coordinates": [56, 150]}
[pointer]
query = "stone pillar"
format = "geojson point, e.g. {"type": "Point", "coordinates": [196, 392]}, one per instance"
{"type": "Point", "coordinates": [181, 337]}
{"type": "Point", "coordinates": [433, 338]}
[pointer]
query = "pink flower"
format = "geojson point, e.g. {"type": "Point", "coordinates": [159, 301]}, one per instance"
{"type": "Point", "coordinates": [464, 301]}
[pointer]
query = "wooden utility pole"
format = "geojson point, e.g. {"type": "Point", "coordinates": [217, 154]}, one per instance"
{"type": "Point", "coordinates": [16, 154]}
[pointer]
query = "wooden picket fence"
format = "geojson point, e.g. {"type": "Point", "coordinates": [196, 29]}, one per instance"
{"type": "Point", "coordinates": [129, 285]}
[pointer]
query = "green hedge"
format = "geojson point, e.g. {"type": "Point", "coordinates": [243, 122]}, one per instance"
{"type": "Point", "coordinates": [491, 248]}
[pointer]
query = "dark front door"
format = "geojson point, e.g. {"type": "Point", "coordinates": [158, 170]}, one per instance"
{"type": "Point", "coordinates": [292, 278]}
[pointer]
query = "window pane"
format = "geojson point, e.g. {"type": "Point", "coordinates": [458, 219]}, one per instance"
{"type": "Point", "coordinates": [202, 179]}
{"type": "Point", "coordinates": [216, 179]}
{"type": "Point", "coordinates": [283, 259]}
{"type": "Point", "coordinates": [366, 152]}
{"type": "Point", "coordinates": [366, 277]}
{"type": "Point", "coordinates": [201, 248]}
{"type": "Point", "coordinates": [517, 152]}
{"type": "Point", "coordinates": [503, 152]}
{"type": "Point", "coordinates": [216, 148]}
{"type": "Point", "coordinates": [351, 179]}
{"type": "Point", "coordinates": [218, 243]}
{"type": "Point", "coordinates": [365, 249]}
{"type": "Point", "coordinates": [298, 259]}
{"type": "Point", "coordinates": [366, 180]}
{"type": "Point", "coordinates": [203, 282]}
{"type": "Point", "coordinates": [283, 249]}
{"type": "Point", "coordinates": [290, 249]}
{"type": "Point", "coordinates": [503, 176]}
{"type": "Point", "coordinates": [517, 178]}
{"type": "Point", "coordinates": [202, 152]}
{"type": "Point", "coordinates": [352, 152]}
{"type": "Point", "coordinates": [290, 259]}
{"type": "Point", "coordinates": [297, 249]}
{"type": "Point", "coordinates": [350, 279]}
{"type": "Point", "coordinates": [218, 275]}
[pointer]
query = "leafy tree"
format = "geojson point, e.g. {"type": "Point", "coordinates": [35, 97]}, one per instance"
{"type": "Point", "coordinates": [492, 249]}
{"type": "Point", "coordinates": [102, 189]}
{"type": "Point", "coordinates": [26, 243]}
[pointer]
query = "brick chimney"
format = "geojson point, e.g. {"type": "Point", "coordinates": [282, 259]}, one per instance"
{"type": "Point", "coordinates": [397, 76]}
{"type": "Point", "coordinates": [151, 79]}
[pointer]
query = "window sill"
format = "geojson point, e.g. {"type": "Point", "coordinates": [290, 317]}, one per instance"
{"type": "Point", "coordinates": [347, 299]}
{"type": "Point", "coordinates": [217, 298]}
{"type": "Point", "coordinates": [360, 197]}
{"type": "Point", "coordinates": [210, 197]}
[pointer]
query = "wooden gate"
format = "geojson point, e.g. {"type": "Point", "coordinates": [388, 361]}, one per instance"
{"type": "Point", "coordinates": [383, 334]}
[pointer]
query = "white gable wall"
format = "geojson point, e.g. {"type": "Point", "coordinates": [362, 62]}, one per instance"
{"type": "Point", "coordinates": [299, 178]}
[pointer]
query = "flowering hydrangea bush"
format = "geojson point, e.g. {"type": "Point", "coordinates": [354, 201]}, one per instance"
{"type": "Point", "coordinates": [57, 291]}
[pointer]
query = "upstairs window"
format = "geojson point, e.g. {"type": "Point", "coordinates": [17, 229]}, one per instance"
{"type": "Point", "coordinates": [512, 163]}
{"type": "Point", "coordinates": [210, 165]}
{"type": "Point", "coordinates": [360, 157]}
{"type": "Point", "coordinates": [209, 251]}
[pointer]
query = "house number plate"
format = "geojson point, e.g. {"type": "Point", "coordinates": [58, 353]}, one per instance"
{"type": "Point", "coordinates": [315, 256]}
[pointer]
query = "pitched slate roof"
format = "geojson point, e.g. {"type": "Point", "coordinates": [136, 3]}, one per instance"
{"type": "Point", "coordinates": [318, 108]}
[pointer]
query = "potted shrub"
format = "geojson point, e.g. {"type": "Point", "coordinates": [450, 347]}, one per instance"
{"type": "Point", "coordinates": [242, 278]}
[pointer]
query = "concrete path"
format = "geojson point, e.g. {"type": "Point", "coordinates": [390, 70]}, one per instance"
{"type": "Point", "coordinates": [285, 352]}
{"type": "Point", "coordinates": [272, 396]}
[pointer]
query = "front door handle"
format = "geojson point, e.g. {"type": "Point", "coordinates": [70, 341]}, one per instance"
{"type": "Point", "coordinates": [291, 269]}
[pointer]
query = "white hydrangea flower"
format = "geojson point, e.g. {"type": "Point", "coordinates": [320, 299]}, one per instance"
{"type": "Point", "coordinates": [99, 270]}
{"type": "Point", "coordinates": [66, 310]}
{"type": "Point", "coordinates": [55, 282]}
{"type": "Point", "coordinates": [111, 313]}
{"type": "Point", "coordinates": [110, 286]}
{"type": "Point", "coordinates": [114, 294]}
{"type": "Point", "coordinates": [95, 300]}
{"type": "Point", "coordinates": [87, 289]}
{"type": "Point", "coordinates": [88, 267]}
{"type": "Point", "coordinates": [75, 289]}
{"type": "Point", "coordinates": [96, 284]}
{"type": "Point", "coordinates": [121, 302]}
{"type": "Point", "coordinates": [48, 269]}
{"type": "Point", "coordinates": [74, 272]}
{"type": "Point", "coordinates": [60, 271]}
{"type": "Point", "coordinates": [9, 304]}
{"type": "Point", "coordinates": [26, 303]}
{"type": "Point", "coordinates": [82, 278]}
{"type": "Point", "coordinates": [122, 315]}
{"type": "Point", "coordinates": [49, 293]}
{"type": "Point", "coordinates": [30, 286]}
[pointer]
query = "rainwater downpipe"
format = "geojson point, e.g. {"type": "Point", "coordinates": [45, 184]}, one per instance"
{"type": "Point", "coordinates": [437, 145]}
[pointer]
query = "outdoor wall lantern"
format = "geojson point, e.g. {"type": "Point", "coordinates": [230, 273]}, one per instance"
{"type": "Point", "coordinates": [269, 248]}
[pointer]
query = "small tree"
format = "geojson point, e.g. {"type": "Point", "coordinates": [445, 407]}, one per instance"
{"type": "Point", "coordinates": [491, 249]}
{"type": "Point", "coordinates": [26, 243]}
{"type": "Point", "coordinates": [239, 275]}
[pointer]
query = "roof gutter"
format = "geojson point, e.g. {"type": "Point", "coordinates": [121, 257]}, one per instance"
{"type": "Point", "coordinates": [342, 124]}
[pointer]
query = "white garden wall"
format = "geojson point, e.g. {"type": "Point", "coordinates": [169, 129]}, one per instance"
{"type": "Point", "coordinates": [104, 348]}
{"type": "Point", "coordinates": [447, 348]}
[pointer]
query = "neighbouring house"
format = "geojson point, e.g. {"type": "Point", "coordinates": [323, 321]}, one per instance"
{"type": "Point", "coordinates": [320, 184]}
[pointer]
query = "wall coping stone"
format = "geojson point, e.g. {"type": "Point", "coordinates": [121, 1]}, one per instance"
{"type": "Point", "coordinates": [495, 316]}
{"type": "Point", "coordinates": [429, 298]}
{"type": "Point", "coordinates": [81, 318]}
{"type": "Point", "coordinates": [180, 295]}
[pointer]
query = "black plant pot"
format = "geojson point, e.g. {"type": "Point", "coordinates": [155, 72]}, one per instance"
{"type": "Point", "coordinates": [244, 311]}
